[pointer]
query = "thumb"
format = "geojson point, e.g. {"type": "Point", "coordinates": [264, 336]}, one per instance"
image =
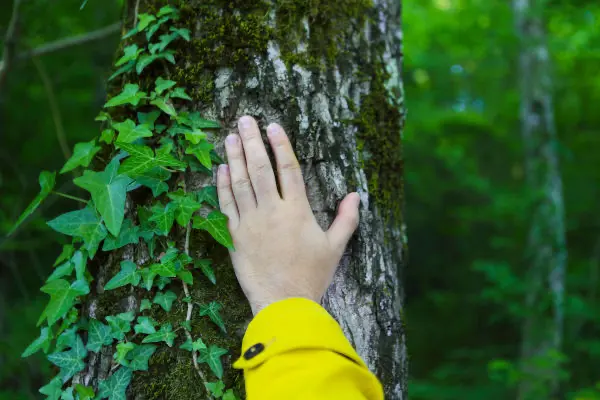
{"type": "Point", "coordinates": [345, 223]}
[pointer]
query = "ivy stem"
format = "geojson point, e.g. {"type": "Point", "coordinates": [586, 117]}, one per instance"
{"type": "Point", "coordinates": [68, 196]}
{"type": "Point", "coordinates": [190, 308]}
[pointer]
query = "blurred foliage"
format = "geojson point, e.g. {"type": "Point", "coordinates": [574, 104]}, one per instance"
{"type": "Point", "coordinates": [466, 196]}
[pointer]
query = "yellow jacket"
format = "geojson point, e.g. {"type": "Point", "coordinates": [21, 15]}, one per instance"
{"type": "Point", "coordinates": [293, 349]}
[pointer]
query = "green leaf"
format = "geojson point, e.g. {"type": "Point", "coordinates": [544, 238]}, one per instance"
{"type": "Point", "coordinates": [129, 234]}
{"type": "Point", "coordinates": [62, 297]}
{"type": "Point", "coordinates": [187, 345]}
{"type": "Point", "coordinates": [125, 68]}
{"type": "Point", "coordinates": [212, 311]}
{"type": "Point", "coordinates": [166, 107]}
{"type": "Point", "coordinates": [65, 269]}
{"type": "Point", "coordinates": [194, 120]}
{"type": "Point", "coordinates": [130, 53]}
{"type": "Point", "coordinates": [98, 335]}
{"type": "Point", "coordinates": [216, 224]}
{"type": "Point", "coordinates": [144, 21]}
{"type": "Point", "coordinates": [130, 132]}
{"type": "Point", "coordinates": [147, 59]}
{"type": "Point", "coordinates": [184, 206]}
{"type": "Point", "coordinates": [229, 395]}
{"type": "Point", "coordinates": [53, 389]}
{"type": "Point", "coordinates": [164, 41]}
{"type": "Point", "coordinates": [147, 278]}
{"type": "Point", "coordinates": [65, 254]}
{"type": "Point", "coordinates": [83, 154]}
{"type": "Point", "coordinates": [120, 324]}
{"type": "Point", "coordinates": [163, 84]}
{"type": "Point", "coordinates": [84, 223]}
{"type": "Point", "coordinates": [163, 217]}
{"type": "Point", "coordinates": [145, 305]}
{"type": "Point", "coordinates": [165, 300]}
{"type": "Point", "coordinates": [162, 281]}
{"type": "Point", "coordinates": [186, 324]}
{"type": "Point", "coordinates": [83, 4]}
{"type": "Point", "coordinates": [144, 325]}
{"type": "Point", "coordinates": [202, 152]}
{"type": "Point", "coordinates": [198, 345]}
{"type": "Point", "coordinates": [208, 194]}
{"type": "Point", "coordinates": [186, 276]}
{"type": "Point", "coordinates": [127, 276]}
{"type": "Point", "coordinates": [130, 95]}
{"type": "Point", "coordinates": [108, 190]}
{"type": "Point", "coordinates": [212, 357]}
{"type": "Point", "coordinates": [41, 343]}
{"type": "Point", "coordinates": [181, 32]}
{"type": "Point", "coordinates": [165, 334]}
{"type": "Point", "coordinates": [216, 158]}
{"type": "Point", "coordinates": [70, 362]}
{"type": "Point", "coordinates": [122, 349]}
{"type": "Point", "coordinates": [215, 388]}
{"type": "Point", "coordinates": [154, 179]}
{"type": "Point", "coordinates": [47, 180]}
{"type": "Point", "coordinates": [107, 136]}
{"type": "Point", "coordinates": [66, 339]}
{"type": "Point", "coordinates": [115, 387]}
{"type": "Point", "coordinates": [148, 118]}
{"type": "Point", "coordinates": [206, 268]}
{"type": "Point", "coordinates": [138, 357]}
{"type": "Point", "coordinates": [84, 392]}
{"type": "Point", "coordinates": [166, 10]}
{"type": "Point", "coordinates": [142, 159]}
{"type": "Point", "coordinates": [180, 93]}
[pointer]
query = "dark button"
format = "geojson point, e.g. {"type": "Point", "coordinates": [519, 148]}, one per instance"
{"type": "Point", "coordinates": [254, 351]}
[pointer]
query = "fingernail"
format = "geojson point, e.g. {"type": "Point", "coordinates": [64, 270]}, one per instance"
{"type": "Point", "coordinates": [231, 139]}
{"type": "Point", "coordinates": [223, 168]}
{"type": "Point", "coordinates": [245, 122]}
{"type": "Point", "coordinates": [272, 130]}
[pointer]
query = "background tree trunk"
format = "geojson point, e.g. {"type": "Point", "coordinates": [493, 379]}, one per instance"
{"type": "Point", "coordinates": [547, 254]}
{"type": "Point", "coordinates": [323, 70]}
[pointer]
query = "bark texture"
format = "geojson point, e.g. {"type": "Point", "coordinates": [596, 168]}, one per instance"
{"type": "Point", "coordinates": [328, 72]}
{"type": "Point", "coordinates": [547, 253]}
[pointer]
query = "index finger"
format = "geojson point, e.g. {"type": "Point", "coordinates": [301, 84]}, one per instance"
{"type": "Point", "coordinates": [291, 181]}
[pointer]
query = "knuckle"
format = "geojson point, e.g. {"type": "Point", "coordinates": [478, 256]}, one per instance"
{"type": "Point", "coordinates": [290, 165]}
{"type": "Point", "coordinates": [242, 183]}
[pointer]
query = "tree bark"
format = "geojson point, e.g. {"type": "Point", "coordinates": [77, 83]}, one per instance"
{"type": "Point", "coordinates": [328, 72]}
{"type": "Point", "coordinates": [547, 252]}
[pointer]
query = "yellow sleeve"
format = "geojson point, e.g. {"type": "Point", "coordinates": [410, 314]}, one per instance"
{"type": "Point", "coordinates": [293, 349]}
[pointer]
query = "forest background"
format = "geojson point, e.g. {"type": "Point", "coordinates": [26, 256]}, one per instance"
{"type": "Point", "coordinates": [466, 192]}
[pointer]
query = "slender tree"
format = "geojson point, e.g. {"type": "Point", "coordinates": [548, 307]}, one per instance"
{"type": "Point", "coordinates": [328, 72]}
{"type": "Point", "coordinates": [547, 252]}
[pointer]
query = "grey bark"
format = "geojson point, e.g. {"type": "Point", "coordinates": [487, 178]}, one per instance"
{"type": "Point", "coordinates": [547, 253]}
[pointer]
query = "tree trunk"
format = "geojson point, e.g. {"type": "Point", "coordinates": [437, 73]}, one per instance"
{"type": "Point", "coordinates": [323, 71]}
{"type": "Point", "coordinates": [547, 253]}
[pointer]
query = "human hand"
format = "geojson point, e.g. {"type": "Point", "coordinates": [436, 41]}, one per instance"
{"type": "Point", "coordinates": [280, 249]}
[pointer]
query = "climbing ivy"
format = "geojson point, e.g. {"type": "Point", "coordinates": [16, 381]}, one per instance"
{"type": "Point", "coordinates": [152, 150]}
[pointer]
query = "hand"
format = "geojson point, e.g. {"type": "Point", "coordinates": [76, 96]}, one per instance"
{"type": "Point", "coordinates": [280, 249]}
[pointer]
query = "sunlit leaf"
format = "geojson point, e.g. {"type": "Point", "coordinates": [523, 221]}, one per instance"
{"type": "Point", "coordinates": [83, 154]}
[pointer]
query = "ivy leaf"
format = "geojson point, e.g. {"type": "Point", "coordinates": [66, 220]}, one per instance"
{"type": "Point", "coordinates": [154, 179]}
{"type": "Point", "coordinates": [212, 357]}
{"type": "Point", "coordinates": [84, 392]}
{"type": "Point", "coordinates": [66, 339]}
{"type": "Point", "coordinates": [162, 281]}
{"type": "Point", "coordinates": [131, 53]}
{"type": "Point", "coordinates": [142, 159]}
{"type": "Point", "coordinates": [164, 270]}
{"type": "Point", "coordinates": [127, 276]}
{"type": "Point", "coordinates": [41, 343]}
{"type": "Point", "coordinates": [108, 190]}
{"type": "Point", "coordinates": [83, 154]}
{"type": "Point", "coordinates": [147, 59]}
{"type": "Point", "coordinates": [145, 305]}
{"type": "Point", "coordinates": [120, 324]}
{"type": "Point", "coordinates": [148, 118]}
{"type": "Point", "coordinates": [215, 388]}
{"type": "Point", "coordinates": [229, 395]}
{"type": "Point", "coordinates": [216, 224]}
{"type": "Point", "coordinates": [202, 152]}
{"type": "Point", "coordinates": [212, 311]}
{"type": "Point", "coordinates": [165, 300]}
{"type": "Point", "coordinates": [144, 325]}
{"type": "Point", "coordinates": [163, 84]}
{"type": "Point", "coordinates": [166, 10]}
{"type": "Point", "coordinates": [163, 217]}
{"type": "Point", "coordinates": [98, 335]}
{"type": "Point", "coordinates": [138, 357]}
{"type": "Point", "coordinates": [181, 32]}
{"type": "Point", "coordinates": [53, 389]}
{"type": "Point", "coordinates": [114, 388]}
{"type": "Point", "coordinates": [107, 136]}
{"type": "Point", "coordinates": [65, 269]}
{"type": "Point", "coordinates": [164, 41]}
{"type": "Point", "coordinates": [122, 349]}
{"type": "Point", "coordinates": [125, 68]}
{"type": "Point", "coordinates": [130, 95]}
{"type": "Point", "coordinates": [129, 235]}
{"type": "Point", "coordinates": [144, 21]}
{"type": "Point", "coordinates": [130, 132]}
{"type": "Point", "coordinates": [180, 93]}
{"type": "Point", "coordinates": [184, 206]}
{"type": "Point", "coordinates": [186, 324]}
{"type": "Point", "coordinates": [62, 297]}
{"type": "Point", "coordinates": [65, 254]}
{"type": "Point", "coordinates": [166, 107]}
{"type": "Point", "coordinates": [187, 345]}
{"type": "Point", "coordinates": [206, 269]}
{"type": "Point", "coordinates": [186, 276]}
{"type": "Point", "coordinates": [208, 194]}
{"type": "Point", "coordinates": [84, 223]}
{"type": "Point", "coordinates": [147, 278]}
{"type": "Point", "coordinates": [216, 158]}
{"type": "Point", "coordinates": [47, 180]}
{"type": "Point", "coordinates": [70, 362]}
{"type": "Point", "coordinates": [194, 120]}
{"type": "Point", "coordinates": [165, 334]}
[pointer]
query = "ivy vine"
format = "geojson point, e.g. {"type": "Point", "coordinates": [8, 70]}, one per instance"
{"type": "Point", "coordinates": [152, 150]}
